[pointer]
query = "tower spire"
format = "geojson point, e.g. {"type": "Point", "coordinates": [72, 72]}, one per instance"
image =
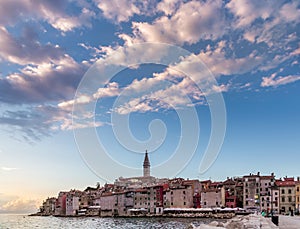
{"type": "Point", "coordinates": [146, 165]}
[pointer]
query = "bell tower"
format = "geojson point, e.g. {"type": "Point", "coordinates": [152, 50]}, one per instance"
{"type": "Point", "coordinates": [146, 165]}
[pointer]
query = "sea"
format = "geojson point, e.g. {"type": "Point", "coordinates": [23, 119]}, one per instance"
{"type": "Point", "coordinates": [50, 222]}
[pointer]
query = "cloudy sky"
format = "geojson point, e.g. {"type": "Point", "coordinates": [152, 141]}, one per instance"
{"type": "Point", "coordinates": [54, 54]}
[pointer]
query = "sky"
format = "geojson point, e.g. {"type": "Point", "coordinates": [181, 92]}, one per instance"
{"type": "Point", "coordinates": [209, 88]}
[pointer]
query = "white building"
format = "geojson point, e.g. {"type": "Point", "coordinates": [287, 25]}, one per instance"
{"type": "Point", "coordinates": [72, 204]}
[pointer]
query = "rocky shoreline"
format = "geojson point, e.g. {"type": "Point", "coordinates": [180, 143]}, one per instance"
{"type": "Point", "coordinates": [252, 221]}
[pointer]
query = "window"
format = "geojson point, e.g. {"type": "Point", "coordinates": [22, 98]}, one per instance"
{"type": "Point", "coordinates": [184, 203]}
{"type": "Point", "coordinates": [290, 199]}
{"type": "Point", "coordinates": [183, 192]}
{"type": "Point", "coordinates": [297, 189]}
{"type": "Point", "coordinates": [282, 191]}
{"type": "Point", "coordinates": [204, 203]}
{"type": "Point", "coordinates": [290, 191]}
{"type": "Point", "coordinates": [282, 199]}
{"type": "Point", "coordinates": [171, 192]}
{"type": "Point", "coordinates": [217, 203]}
{"type": "Point", "coordinates": [247, 202]}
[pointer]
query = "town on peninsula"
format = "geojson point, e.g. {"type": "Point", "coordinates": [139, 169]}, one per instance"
{"type": "Point", "coordinates": [178, 197]}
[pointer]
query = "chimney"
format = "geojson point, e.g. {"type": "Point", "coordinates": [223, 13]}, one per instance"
{"type": "Point", "coordinates": [258, 173]}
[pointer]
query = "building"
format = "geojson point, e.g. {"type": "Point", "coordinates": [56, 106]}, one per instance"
{"type": "Point", "coordinates": [141, 203]}
{"type": "Point", "coordinates": [230, 193]}
{"type": "Point", "coordinates": [107, 204]}
{"type": "Point", "coordinates": [60, 205]}
{"type": "Point", "coordinates": [213, 197]}
{"type": "Point", "coordinates": [146, 165]}
{"type": "Point", "coordinates": [266, 182]}
{"type": "Point", "coordinates": [297, 195]}
{"type": "Point", "coordinates": [251, 192]}
{"type": "Point", "coordinates": [72, 202]}
{"type": "Point", "coordinates": [275, 199]}
{"type": "Point", "coordinates": [140, 182]}
{"type": "Point", "coordinates": [124, 202]}
{"type": "Point", "coordinates": [287, 195]}
{"type": "Point", "coordinates": [196, 190]}
{"type": "Point", "coordinates": [48, 207]}
{"type": "Point", "coordinates": [179, 194]}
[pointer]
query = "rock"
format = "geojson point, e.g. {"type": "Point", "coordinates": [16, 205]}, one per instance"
{"type": "Point", "coordinates": [214, 223]}
{"type": "Point", "coordinates": [234, 225]}
{"type": "Point", "coordinates": [205, 226]}
{"type": "Point", "coordinates": [191, 226]}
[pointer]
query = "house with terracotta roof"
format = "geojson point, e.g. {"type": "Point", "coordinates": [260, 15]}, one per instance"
{"type": "Point", "coordinates": [287, 195]}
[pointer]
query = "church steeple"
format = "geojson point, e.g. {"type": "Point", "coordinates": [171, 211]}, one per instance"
{"type": "Point", "coordinates": [146, 165]}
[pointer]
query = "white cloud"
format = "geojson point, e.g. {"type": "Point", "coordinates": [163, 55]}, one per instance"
{"type": "Point", "coordinates": [217, 62]}
{"type": "Point", "coordinates": [247, 11]}
{"type": "Point", "coordinates": [8, 169]}
{"type": "Point", "coordinates": [68, 105]}
{"type": "Point", "coordinates": [169, 7]}
{"type": "Point", "coordinates": [170, 89]}
{"type": "Point", "coordinates": [290, 11]}
{"type": "Point", "coordinates": [271, 81]}
{"type": "Point", "coordinates": [86, 123]}
{"type": "Point", "coordinates": [26, 50]}
{"type": "Point", "coordinates": [111, 89]}
{"type": "Point", "coordinates": [296, 51]}
{"type": "Point", "coordinates": [50, 11]}
{"type": "Point", "coordinates": [191, 22]}
{"type": "Point", "coordinates": [54, 80]}
{"type": "Point", "coordinates": [118, 10]}
{"type": "Point", "coordinates": [68, 23]}
{"type": "Point", "coordinates": [20, 205]}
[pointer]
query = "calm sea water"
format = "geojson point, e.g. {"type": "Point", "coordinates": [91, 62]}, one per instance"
{"type": "Point", "coordinates": [20, 221]}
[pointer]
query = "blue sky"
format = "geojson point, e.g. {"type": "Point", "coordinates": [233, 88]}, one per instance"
{"type": "Point", "coordinates": [49, 48]}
